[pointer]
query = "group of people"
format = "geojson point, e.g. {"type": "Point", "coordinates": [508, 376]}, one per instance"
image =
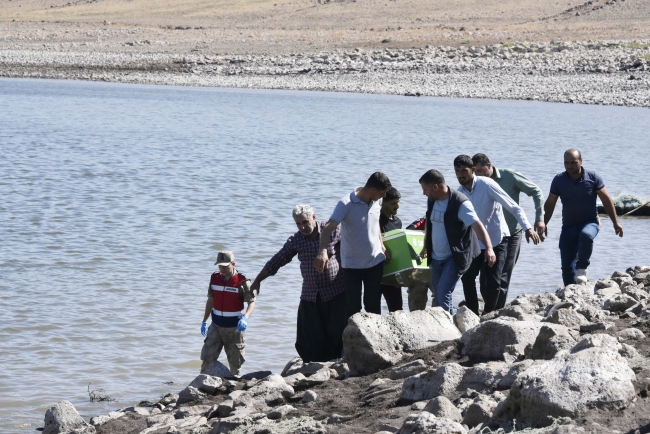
{"type": "Point", "coordinates": [467, 235]}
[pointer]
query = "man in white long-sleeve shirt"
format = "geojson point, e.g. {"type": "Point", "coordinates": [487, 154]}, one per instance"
{"type": "Point", "coordinates": [488, 199]}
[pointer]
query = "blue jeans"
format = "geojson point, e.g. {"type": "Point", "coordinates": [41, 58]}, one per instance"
{"type": "Point", "coordinates": [576, 246]}
{"type": "Point", "coordinates": [444, 276]}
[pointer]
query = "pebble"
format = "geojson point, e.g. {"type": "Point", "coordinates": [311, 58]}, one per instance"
{"type": "Point", "coordinates": [569, 72]}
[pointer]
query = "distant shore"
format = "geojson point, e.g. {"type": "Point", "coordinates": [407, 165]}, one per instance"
{"type": "Point", "coordinates": [608, 73]}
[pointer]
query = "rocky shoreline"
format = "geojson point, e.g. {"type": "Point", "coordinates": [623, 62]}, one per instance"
{"type": "Point", "coordinates": [571, 362]}
{"type": "Point", "coordinates": [606, 72]}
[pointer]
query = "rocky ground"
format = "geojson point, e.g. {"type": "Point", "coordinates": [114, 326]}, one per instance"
{"type": "Point", "coordinates": [611, 73]}
{"type": "Point", "coordinates": [577, 361]}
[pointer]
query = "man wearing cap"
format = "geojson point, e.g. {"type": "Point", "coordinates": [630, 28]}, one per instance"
{"type": "Point", "coordinates": [513, 183]}
{"type": "Point", "coordinates": [321, 312]}
{"type": "Point", "coordinates": [227, 293]}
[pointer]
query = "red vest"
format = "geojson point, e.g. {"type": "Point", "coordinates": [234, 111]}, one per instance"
{"type": "Point", "coordinates": [227, 301]}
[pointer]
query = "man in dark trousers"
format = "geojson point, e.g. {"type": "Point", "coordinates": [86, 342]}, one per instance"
{"type": "Point", "coordinates": [389, 221]}
{"type": "Point", "coordinates": [488, 199]}
{"type": "Point", "coordinates": [451, 231]}
{"type": "Point", "coordinates": [578, 188]}
{"type": "Point", "coordinates": [362, 247]}
{"type": "Point", "coordinates": [321, 312]}
{"type": "Point", "coordinates": [513, 183]}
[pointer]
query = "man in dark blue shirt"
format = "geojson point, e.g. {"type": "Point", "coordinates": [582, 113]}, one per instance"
{"type": "Point", "coordinates": [578, 188]}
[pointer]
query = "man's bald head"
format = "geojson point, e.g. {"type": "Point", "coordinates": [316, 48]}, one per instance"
{"type": "Point", "coordinates": [573, 163]}
{"type": "Point", "coordinates": [573, 153]}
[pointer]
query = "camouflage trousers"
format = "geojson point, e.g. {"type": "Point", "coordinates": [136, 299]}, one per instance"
{"type": "Point", "coordinates": [224, 338]}
{"type": "Point", "coordinates": [418, 297]}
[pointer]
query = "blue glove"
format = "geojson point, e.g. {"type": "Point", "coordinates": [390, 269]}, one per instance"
{"type": "Point", "coordinates": [242, 324]}
{"type": "Point", "coordinates": [204, 328]}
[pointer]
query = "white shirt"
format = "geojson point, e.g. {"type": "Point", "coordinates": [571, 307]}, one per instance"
{"type": "Point", "coordinates": [440, 249]}
{"type": "Point", "coordinates": [488, 198]}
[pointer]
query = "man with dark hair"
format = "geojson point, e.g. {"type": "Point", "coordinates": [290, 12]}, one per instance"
{"type": "Point", "coordinates": [321, 312]}
{"type": "Point", "coordinates": [389, 221]}
{"type": "Point", "coordinates": [362, 247]}
{"type": "Point", "coordinates": [578, 189]}
{"type": "Point", "coordinates": [451, 231]}
{"type": "Point", "coordinates": [488, 198]}
{"type": "Point", "coordinates": [513, 183]}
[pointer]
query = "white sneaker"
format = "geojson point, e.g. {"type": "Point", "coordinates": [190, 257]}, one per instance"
{"type": "Point", "coordinates": [581, 275]}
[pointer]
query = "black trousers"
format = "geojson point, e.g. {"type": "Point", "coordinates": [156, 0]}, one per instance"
{"type": "Point", "coordinates": [393, 297]}
{"type": "Point", "coordinates": [370, 278]}
{"type": "Point", "coordinates": [513, 247]}
{"type": "Point", "coordinates": [490, 280]}
{"type": "Point", "coordinates": [320, 329]}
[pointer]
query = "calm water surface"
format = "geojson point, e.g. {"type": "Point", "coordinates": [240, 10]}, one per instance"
{"type": "Point", "coordinates": [117, 198]}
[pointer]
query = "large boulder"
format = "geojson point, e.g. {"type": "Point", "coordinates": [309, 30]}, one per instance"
{"type": "Point", "coordinates": [491, 339]}
{"type": "Point", "coordinates": [551, 340]}
{"type": "Point", "coordinates": [206, 383]}
{"type": "Point", "coordinates": [486, 377]}
{"type": "Point", "coordinates": [568, 318]}
{"type": "Point", "coordinates": [426, 423]}
{"type": "Point", "coordinates": [480, 411]}
{"type": "Point", "coordinates": [63, 418]}
{"type": "Point", "coordinates": [465, 319]}
{"type": "Point", "coordinates": [217, 369]}
{"type": "Point", "coordinates": [443, 407]}
{"type": "Point", "coordinates": [436, 382]}
{"type": "Point", "coordinates": [373, 342]}
{"type": "Point", "coordinates": [570, 384]}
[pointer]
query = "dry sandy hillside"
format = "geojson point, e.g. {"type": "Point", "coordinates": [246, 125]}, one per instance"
{"type": "Point", "coordinates": [280, 25]}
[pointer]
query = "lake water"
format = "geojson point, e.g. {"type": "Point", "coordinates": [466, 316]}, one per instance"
{"type": "Point", "coordinates": [115, 200]}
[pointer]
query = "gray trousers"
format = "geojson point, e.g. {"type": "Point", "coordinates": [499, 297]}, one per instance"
{"type": "Point", "coordinates": [220, 338]}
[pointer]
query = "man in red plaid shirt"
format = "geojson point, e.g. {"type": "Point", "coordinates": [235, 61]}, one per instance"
{"type": "Point", "coordinates": [321, 313]}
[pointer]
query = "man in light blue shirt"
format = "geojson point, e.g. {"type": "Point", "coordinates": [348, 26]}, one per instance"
{"type": "Point", "coordinates": [362, 247]}
{"type": "Point", "coordinates": [513, 183]}
{"type": "Point", "coordinates": [488, 199]}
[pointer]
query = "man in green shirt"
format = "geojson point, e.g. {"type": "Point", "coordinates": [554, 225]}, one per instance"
{"type": "Point", "coordinates": [513, 183]}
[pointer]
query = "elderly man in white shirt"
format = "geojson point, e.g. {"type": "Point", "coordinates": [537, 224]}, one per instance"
{"type": "Point", "coordinates": [488, 199]}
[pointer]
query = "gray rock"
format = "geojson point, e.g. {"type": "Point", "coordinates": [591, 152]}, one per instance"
{"type": "Point", "coordinates": [480, 411]}
{"type": "Point", "coordinates": [193, 410]}
{"type": "Point", "coordinates": [408, 369]}
{"type": "Point", "coordinates": [280, 412]}
{"type": "Point", "coordinates": [465, 319]}
{"type": "Point", "coordinates": [630, 334]}
{"type": "Point", "coordinates": [290, 365]}
{"type": "Point", "coordinates": [606, 283]}
{"type": "Point", "coordinates": [567, 429]}
{"type": "Point", "coordinates": [102, 419]}
{"type": "Point", "coordinates": [373, 342]}
{"type": "Point", "coordinates": [619, 303]}
{"type": "Point", "coordinates": [160, 419]}
{"type": "Point", "coordinates": [291, 380]}
{"type": "Point", "coordinates": [218, 369]}
{"type": "Point", "coordinates": [442, 381]}
{"type": "Point", "coordinates": [272, 389]}
{"type": "Point", "coordinates": [629, 352]}
{"type": "Point", "coordinates": [591, 313]}
{"type": "Point", "coordinates": [206, 383]}
{"type": "Point", "coordinates": [518, 312]}
{"type": "Point", "coordinates": [597, 340]}
{"type": "Point", "coordinates": [309, 396]}
{"type": "Point", "coordinates": [228, 424]}
{"type": "Point", "coordinates": [315, 379]}
{"type": "Point", "coordinates": [599, 326]}
{"type": "Point", "coordinates": [225, 408]}
{"type": "Point", "coordinates": [190, 394]}
{"type": "Point", "coordinates": [571, 383]}
{"type": "Point", "coordinates": [337, 418]}
{"type": "Point", "coordinates": [426, 423]}
{"type": "Point", "coordinates": [568, 318]}
{"type": "Point", "coordinates": [418, 406]}
{"type": "Point", "coordinates": [443, 407]}
{"type": "Point", "coordinates": [552, 340]}
{"type": "Point", "coordinates": [63, 418]}
{"type": "Point", "coordinates": [609, 291]}
{"type": "Point", "coordinates": [486, 377]}
{"type": "Point", "coordinates": [490, 339]}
